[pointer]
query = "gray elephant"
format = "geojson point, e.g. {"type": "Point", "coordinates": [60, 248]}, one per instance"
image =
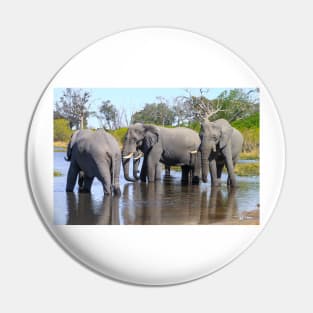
{"type": "Point", "coordinates": [170, 146]}
{"type": "Point", "coordinates": [221, 145]}
{"type": "Point", "coordinates": [93, 154]}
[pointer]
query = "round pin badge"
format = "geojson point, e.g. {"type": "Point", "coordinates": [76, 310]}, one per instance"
{"type": "Point", "coordinates": [155, 156]}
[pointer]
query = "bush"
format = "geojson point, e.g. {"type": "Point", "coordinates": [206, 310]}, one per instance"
{"type": "Point", "coordinates": [250, 129]}
{"type": "Point", "coordinates": [252, 121]}
{"type": "Point", "coordinates": [62, 130]}
{"type": "Point", "coordinates": [251, 139]}
{"type": "Point", "coordinates": [119, 134]}
{"type": "Point", "coordinates": [195, 125]}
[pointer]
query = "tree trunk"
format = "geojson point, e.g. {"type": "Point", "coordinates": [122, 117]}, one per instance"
{"type": "Point", "coordinates": [82, 121]}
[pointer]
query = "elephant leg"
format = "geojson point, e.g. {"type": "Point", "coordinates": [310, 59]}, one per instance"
{"type": "Point", "coordinates": [153, 161]}
{"type": "Point", "coordinates": [81, 179]}
{"type": "Point", "coordinates": [167, 171]}
{"type": "Point", "coordinates": [196, 169]}
{"type": "Point", "coordinates": [230, 168]}
{"type": "Point", "coordinates": [185, 174]}
{"type": "Point", "coordinates": [143, 172]}
{"type": "Point", "coordinates": [154, 171]}
{"type": "Point", "coordinates": [72, 176]}
{"type": "Point", "coordinates": [229, 182]}
{"type": "Point", "coordinates": [219, 170]}
{"type": "Point", "coordinates": [86, 187]}
{"type": "Point", "coordinates": [151, 167]}
{"type": "Point", "coordinates": [213, 173]}
{"type": "Point", "coordinates": [116, 176]}
{"type": "Point", "coordinates": [105, 178]}
{"type": "Point", "coordinates": [158, 171]}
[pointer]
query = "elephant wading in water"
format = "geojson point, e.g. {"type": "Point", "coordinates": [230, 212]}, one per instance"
{"type": "Point", "coordinates": [170, 146]}
{"type": "Point", "coordinates": [221, 145]}
{"type": "Point", "coordinates": [93, 154]}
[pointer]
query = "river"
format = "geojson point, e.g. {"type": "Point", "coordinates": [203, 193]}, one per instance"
{"type": "Point", "coordinates": [165, 202]}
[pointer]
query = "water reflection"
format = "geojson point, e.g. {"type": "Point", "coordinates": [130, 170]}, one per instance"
{"type": "Point", "coordinates": [220, 208]}
{"type": "Point", "coordinates": [161, 203]}
{"type": "Point", "coordinates": [85, 209]}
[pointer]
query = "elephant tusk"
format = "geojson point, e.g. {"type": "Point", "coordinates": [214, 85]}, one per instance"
{"type": "Point", "coordinates": [139, 156]}
{"type": "Point", "coordinates": [128, 156]}
{"type": "Point", "coordinates": [193, 152]}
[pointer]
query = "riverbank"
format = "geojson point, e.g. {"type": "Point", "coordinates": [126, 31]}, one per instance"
{"type": "Point", "coordinates": [252, 155]}
{"type": "Point", "coordinates": [60, 144]}
{"type": "Point", "coordinates": [241, 169]}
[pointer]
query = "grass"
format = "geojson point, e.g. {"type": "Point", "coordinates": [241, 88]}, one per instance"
{"type": "Point", "coordinates": [119, 135]}
{"type": "Point", "coordinates": [247, 169]}
{"type": "Point", "coordinates": [57, 173]}
{"type": "Point", "coordinates": [60, 144]}
{"type": "Point", "coordinates": [252, 155]}
{"type": "Point", "coordinates": [241, 169]}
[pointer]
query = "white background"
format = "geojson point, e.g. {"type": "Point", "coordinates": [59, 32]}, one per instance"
{"type": "Point", "coordinates": [274, 39]}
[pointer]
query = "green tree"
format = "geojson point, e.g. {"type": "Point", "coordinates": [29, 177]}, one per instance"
{"type": "Point", "coordinates": [196, 108]}
{"type": "Point", "coordinates": [231, 104]}
{"type": "Point", "coordinates": [155, 113]}
{"type": "Point", "coordinates": [182, 111]}
{"type": "Point", "coordinates": [108, 115]}
{"type": "Point", "coordinates": [236, 104]}
{"type": "Point", "coordinates": [74, 105]}
{"type": "Point", "coordinates": [62, 130]}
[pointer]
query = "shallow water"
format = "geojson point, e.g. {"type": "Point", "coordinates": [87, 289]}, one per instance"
{"type": "Point", "coordinates": [165, 202]}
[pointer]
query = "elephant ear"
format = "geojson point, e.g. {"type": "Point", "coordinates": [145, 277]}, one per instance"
{"type": "Point", "coordinates": [70, 146]}
{"type": "Point", "coordinates": [151, 136]}
{"type": "Point", "coordinates": [226, 133]}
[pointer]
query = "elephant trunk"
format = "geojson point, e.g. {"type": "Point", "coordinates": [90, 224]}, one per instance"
{"type": "Point", "coordinates": [205, 165]}
{"type": "Point", "coordinates": [135, 168]}
{"type": "Point", "coordinates": [68, 153]}
{"type": "Point", "coordinates": [125, 160]}
{"type": "Point", "coordinates": [213, 147]}
{"type": "Point", "coordinates": [206, 149]}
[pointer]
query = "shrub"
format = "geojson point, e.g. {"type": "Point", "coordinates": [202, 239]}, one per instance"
{"type": "Point", "coordinates": [252, 121]}
{"type": "Point", "coordinates": [195, 125]}
{"type": "Point", "coordinates": [119, 134]}
{"type": "Point", "coordinates": [62, 130]}
{"type": "Point", "coordinates": [249, 127]}
{"type": "Point", "coordinates": [251, 139]}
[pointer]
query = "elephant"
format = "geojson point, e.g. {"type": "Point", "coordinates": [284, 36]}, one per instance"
{"type": "Point", "coordinates": [221, 145]}
{"type": "Point", "coordinates": [93, 154]}
{"type": "Point", "coordinates": [170, 146]}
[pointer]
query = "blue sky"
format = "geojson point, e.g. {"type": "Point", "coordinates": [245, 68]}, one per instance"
{"type": "Point", "coordinates": [133, 99]}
